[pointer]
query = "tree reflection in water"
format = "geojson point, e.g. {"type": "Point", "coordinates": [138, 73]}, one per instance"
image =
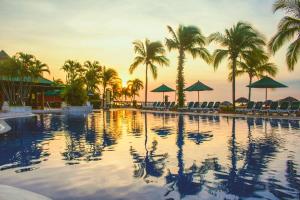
{"type": "Point", "coordinates": [22, 145]}
{"type": "Point", "coordinates": [83, 142]}
{"type": "Point", "coordinates": [245, 181]}
{"type": "Point", "coordinates": [187, 181]}
{"type": "Point", "coordinates": [150, 165]}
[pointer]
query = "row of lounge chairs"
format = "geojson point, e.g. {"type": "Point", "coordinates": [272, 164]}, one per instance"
{"type": "Point", "coordinates": [191, 106]}
{"type": "Point", "coordinates": [202, 107]}
{"type": "Point", "coordinates": [161, 106]}
{"type": "Point", "coordinates": [274, 108]}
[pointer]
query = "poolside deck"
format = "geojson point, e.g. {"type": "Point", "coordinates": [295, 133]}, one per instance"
{"type": "Point", "coordinates": [223, 114]}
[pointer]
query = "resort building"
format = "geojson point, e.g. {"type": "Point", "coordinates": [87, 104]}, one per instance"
{"type": "Point", "coordinates": [41, 88]}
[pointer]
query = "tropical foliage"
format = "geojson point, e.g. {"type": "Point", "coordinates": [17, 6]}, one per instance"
{"type": "Point", "coordinates": [75, 93]}
{"type": "Point", "coordinates": [18, 74]}
{"type": "Point", "coordinates": [256, 65]}
{"type": "Point", "coordinates": [92, 76]}
{"type": "Point", "coordinates": [237, 42]}
{"type": "Point", "coordinates": [109, 77]}
{"type": "Point", "coordinates": [288, 29]}
{"type": "Point", "coordinates": [151, 55]}
{"type": "Point", "coordinates": [187, 39]}
{"type": "Point", "coordinates": [134, 87]}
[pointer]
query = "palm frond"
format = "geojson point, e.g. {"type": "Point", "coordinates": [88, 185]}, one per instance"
{"type": "Point", "coordinates": [292, 54]}
{"type": "Point", "coordinates": [218, 56]}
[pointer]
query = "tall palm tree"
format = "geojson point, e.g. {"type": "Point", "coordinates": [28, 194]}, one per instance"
{"type": "Point", "coordinates": [108, 78]}
{"type": "Point", "coordinates": [187, 39]}
{"type": "Point", "coordinates": [237, 41]}
{"type": "Point", "coordinates": [255, 64]}
{"type": "Point", "coordinates": [288, 29]}
{"type": "Point", "coordinates": [135, 86]}
{"type": "Point", "coordinates": [149, 54]}
{"type": "Point", "coordinates": [92, 75]}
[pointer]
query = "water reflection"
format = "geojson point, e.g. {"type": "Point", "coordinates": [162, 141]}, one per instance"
{"type": "Point", "coordinates": [23, 152]}
{"type": "Point", "coordinates": [194, 156]}
{"type": "Point", "coordinates": [151, 164]}
{"type": "Point", "coordinates": [187, 181]}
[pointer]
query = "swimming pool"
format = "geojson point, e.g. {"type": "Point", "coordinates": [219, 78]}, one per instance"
{"type": "Point", "coordinates": [127, 154]}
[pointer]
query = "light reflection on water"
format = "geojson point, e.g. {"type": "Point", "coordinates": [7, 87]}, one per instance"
{"type": "Point", "coordinates": [125, 154]}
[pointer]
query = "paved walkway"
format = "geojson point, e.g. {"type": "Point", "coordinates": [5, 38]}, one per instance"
{"type": "Point", "coordinates": [225, 114]}
{"type": "Point", "coordinates": [14, 115]}
{"type": "Point", "coordinates": [13, 193]}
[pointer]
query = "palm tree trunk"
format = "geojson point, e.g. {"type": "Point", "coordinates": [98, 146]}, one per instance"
{"type": "Point", "coordinates": [233, 82]}
{"type": "Point", "coordinates": [180, 79]}
{"type": "Point", "coordinates": [250, 82]}
{"type": "Point", "coordinates": [146, 85]}
{"type": "Point", "coordinates": [103, 96]}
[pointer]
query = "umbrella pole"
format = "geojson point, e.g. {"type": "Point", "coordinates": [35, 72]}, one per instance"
{"type": "Point", "coordinates": [163, 97]}
{"type": "Point", "coordinates": [266, 94]}
{"type": "Point", "coordinates": [198, 96]}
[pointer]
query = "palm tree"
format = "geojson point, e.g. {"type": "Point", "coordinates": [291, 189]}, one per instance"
{"type": "Point", "coordinates": [92, 75]}
{"type": "Point", "coordinates": [73, 69]}
{"type": "Point", "coordinates": [116, 89]}
{"type": "Point", "coordinates": [237, 41]}
{"type": "Point", "coordinates": [288, 29]}
{"type": "Point", "coordinates": [135, 86]}
{"type": "Point", "coordinates": [150, 54]}
{"type": "Point", "coordinates": [108, 78]}
{"type": "Point", "coordinates": [255, 64]}
{"type": "Point", "coordinates": [125, 92]}
{"type": "Point", "coordinates": [37, 69]}
{"type": "Point", "coordinates": [187, 39]}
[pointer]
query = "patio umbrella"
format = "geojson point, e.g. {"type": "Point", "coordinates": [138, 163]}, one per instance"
{"type": "Point", "coordinates": [198, 86]}
{"type": "Point", "coordinates": [163, 88]}
{"type": "Point", "coordinates": [266, 83]}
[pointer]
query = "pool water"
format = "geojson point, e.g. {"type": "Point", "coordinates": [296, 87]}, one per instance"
{"type": "Point", "coordinates": [127, 154]}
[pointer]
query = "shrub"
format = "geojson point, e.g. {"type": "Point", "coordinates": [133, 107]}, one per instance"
{"type": "Point", "coordinates": [75, 93]}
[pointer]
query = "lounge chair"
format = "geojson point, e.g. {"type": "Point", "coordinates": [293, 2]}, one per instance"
{"type": "Point", "coordinates": [216, 106]}
{"type": "Point", "coordinates": [157, 105]}
{"type": "Point", "coordinates": [162, 106]}
{"type": "Point", "coordinates": [195, 106]}
{"type": "Point", "coordinates": [150, 106]}
{"type": "Point", "coordinates": [295, 107]}
{"type": "Point", "coordinates": [188, 107]}
{"type": "Point", "coordinates": [273, 107]}
{"type": "Point", "coordinates": [209, 106]}
{"type": "Point", "coordinates": [167, 105]}
{"type": "Point", "coordinates": [248, 109]}
{"type": "Point", "coordinates": [170, 106]}
{"type": "Point", "coordinates": [283, 108]}
{"type": "Point", "coordinates": [257, 108]}
{"type": "Point", "coordinates": [202, 106]}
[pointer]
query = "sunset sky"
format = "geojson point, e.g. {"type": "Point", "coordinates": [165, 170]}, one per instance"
{"type": "Point", "coordinates": [57, 30]}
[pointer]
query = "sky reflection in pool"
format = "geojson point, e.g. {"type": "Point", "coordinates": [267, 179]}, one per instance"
{"type": "Point", "coordinates": [125, 154]}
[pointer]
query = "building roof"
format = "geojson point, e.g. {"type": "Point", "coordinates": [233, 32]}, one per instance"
{"type": "Point", "coordinates": [3, 55]}
{"type": "Point", "coordinates": [39, 80]}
